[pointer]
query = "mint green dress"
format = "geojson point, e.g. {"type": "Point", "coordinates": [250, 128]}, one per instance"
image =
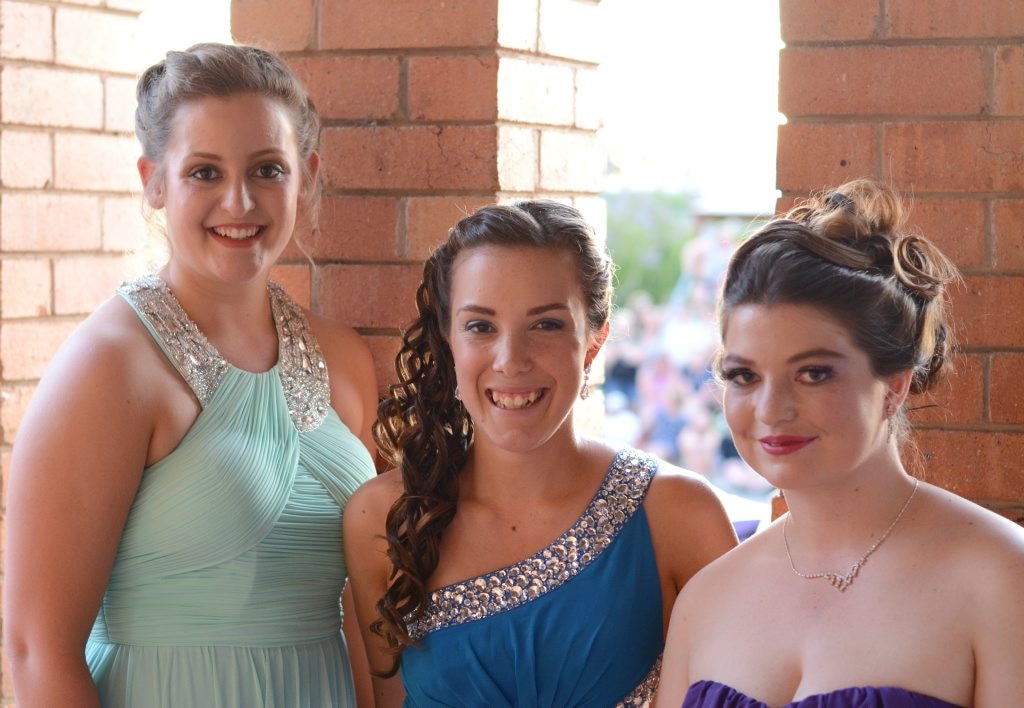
{"type": "Point", "coordinates": [226, 587]}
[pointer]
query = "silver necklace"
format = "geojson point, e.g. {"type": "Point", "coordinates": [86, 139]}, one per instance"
{"type": "Point", "coordinates": [841, 582]}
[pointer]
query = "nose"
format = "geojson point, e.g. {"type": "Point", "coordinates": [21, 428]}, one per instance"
{"type": "Point", "coordinates": [511, 354]}
{"type": "Point", "coordinates": [237, 198]}
{"type": "Point", "coordinates": [775, 403]}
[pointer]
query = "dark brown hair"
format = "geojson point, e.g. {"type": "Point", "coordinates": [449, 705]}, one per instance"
{"type": "Point", "coordinates": [847, 252]}
{"type": "Point", "coordinates": [422, 428]}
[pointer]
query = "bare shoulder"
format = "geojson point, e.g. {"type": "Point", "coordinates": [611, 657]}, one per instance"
{"type": "Point", "coordinates": [679, 491]}
{"type": "Point", "coordinates": [368, 507]}
{"type": "Point", "coordinates": [340, 344]}
{"type": "Point", "coordinates": [968, 530]}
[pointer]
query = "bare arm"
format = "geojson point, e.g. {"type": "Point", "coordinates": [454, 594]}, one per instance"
{"type": "Point", "coordinates": [999, 628]}
{"type": "Point", "coordinates": [356, 651]}
{"type": "Point", "coordinates": [675, 679]}
{"type": "Point", "coordinates": [77, 462]}
{"type": "Point", "coordinates": [369, 567]}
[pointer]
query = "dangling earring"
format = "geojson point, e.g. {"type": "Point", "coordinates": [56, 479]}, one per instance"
{"type": "Point", "coordinates": [585, 391]}
{"type": "Point", "coordinates": [890, 414]}
{"type": "Point", "coordinates": [458, 396]}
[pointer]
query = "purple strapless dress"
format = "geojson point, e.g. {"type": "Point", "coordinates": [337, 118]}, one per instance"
{"type": "Point", "coordinates": [709, 694]}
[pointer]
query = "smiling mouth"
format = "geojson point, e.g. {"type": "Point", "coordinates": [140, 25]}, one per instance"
{"type": "Point", "coordinates": [515, 401]}
{"type": "Point", "coordinates": [237, 234]}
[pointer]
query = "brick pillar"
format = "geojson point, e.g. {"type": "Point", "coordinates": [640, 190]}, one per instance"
{"type": "Point", "coordinates": [927, 95]}
{"type": "Point", "coordinates": [430, 110]}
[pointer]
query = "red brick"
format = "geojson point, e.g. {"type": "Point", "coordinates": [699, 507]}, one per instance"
{"type": "Point", "coordinates": [376, 296]}
{"type": "Point", "coordinates": [1006, 388]}
{"type": "Point", "coordinates": [384, 349]}
{"type": "Point", "coordinates": [535, 92]}
{"type": "Point", "coordinates": [278, 25]}
{"type": "Point", "coordinates": [83, 283]}
{"type": "Point", "coordinates": [124, 225]}
{"type": "Point", "coordinates": [458, 88]}
{"type": "Point", "coordinates": [354, 228]}
{"type": "Point", "coordinates": [572, 162]}
{"type": "Point", "coordinates": [1008, 231]}
{"type": "Point", "coordinates": [517, 29]}
{"type": "Point", "coordinates": [78, 36]}
{"type": "Point", "coordinates": [937, 19]}
{"type": "Point", "coordinates": [956, 226]}
{"type": "Point", "coordinates": [51, 97]}
{"type": "Point", "coordinates": [813, 20]}
{"type": "Point", "coordinates": [437, 159]}
{"type": "Point", "coordinates": [976, 465]}
{"type": "Point", "coordinates": [49, 222]}
{"type": "Point", "coordinates": [15, 401]}
{"type": "Point", "coordinates": [428, 220]}
{"type": "Point", "coordinates": [1009, 84]}
{"type": "Point", "coordinates": [518, 158]}
{"type": "Point", "coordinates": [590, 99]}
{"type": "Point", "coordinates": [351, 87]}
{"type": "Point", "coordinates": [861, 81]}
{"type": "Point", "coordinates": [296, 280]}
{"type": "Point", "coordinates": [360, 24]}
{"type": "Point", "coordinates": [965, 157]}
{"type": "Point", "coordinates": [119, 104]}
{"type": "Point", "coordinates": [812, 156]}
{"type": "Point", "coordinates": [987, 311]}
{"type": "Point", "coordinates": [571, 29]}
{"type": "Point", "coordinates": [26, 347]}
{"type": "Point", "coordinates": [26, 287]}
{"type": "Point", "coordinates": [26, 159]}
{"type": "Point", "coordinates": [103, 163]}
{"type": "Point", "coordinates": [26, 31]}
{"type": "Point", "coordinates": [957, 399]}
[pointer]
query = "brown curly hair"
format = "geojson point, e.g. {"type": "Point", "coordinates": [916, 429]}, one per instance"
{"type": "Point", "coordinates": [847, 251]}
{"type": "Point", "coordinates": [422, 428]}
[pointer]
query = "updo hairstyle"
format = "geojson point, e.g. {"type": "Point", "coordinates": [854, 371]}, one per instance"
{"type": "Point", "coordinates": [219, 70]}
{"type": "Point", "coordinates": [847, 252]}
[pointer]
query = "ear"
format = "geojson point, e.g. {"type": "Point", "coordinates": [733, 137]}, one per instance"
{"type": "Point", "coordinates": [596, 342]}
{"type": "Point", "coordinates": [312, 170]}
{"type": "Point", "coordinates": [899, 389]}
{"type": "Point", "coordinates": [152, 186]}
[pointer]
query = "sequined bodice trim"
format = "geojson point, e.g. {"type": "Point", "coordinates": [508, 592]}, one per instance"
{"type": "Point", "coordinates": [621, 494]}
{"type": "Point", "coordinates": [301, 365]}
{"type": "Point", "coordinates": [643, 695]}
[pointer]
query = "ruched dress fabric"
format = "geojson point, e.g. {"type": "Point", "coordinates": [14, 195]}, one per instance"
{"type": "Point", "coordinates": [710, 694]}
{"type": "Point", "coordinates": [577, 624]}
{"type": "Point", "coordinates": [226, 587]}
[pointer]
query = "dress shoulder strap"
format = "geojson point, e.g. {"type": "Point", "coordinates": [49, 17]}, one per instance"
{"type": "Point", "coordinates": [198, 362]}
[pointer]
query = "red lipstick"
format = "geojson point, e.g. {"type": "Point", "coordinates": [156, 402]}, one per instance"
{"type": "Point", "coordinates": [784, 444]}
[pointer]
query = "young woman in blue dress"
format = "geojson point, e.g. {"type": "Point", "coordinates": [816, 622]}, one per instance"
{"type": "Point", "coordinates": [508, 559]}
{"type": "Point", "coordinates": [876, 588]}
{"type": "Point", "coordinates": [177, 485]}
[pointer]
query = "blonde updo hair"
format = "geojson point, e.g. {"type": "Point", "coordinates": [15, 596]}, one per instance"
{"type": "Point", "coordinates": [220, 70]}
{"type": "Point", "coordinates": [847, 251]}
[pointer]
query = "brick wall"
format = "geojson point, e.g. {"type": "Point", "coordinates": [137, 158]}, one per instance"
{"type": "Point", "coordinates": [928, 96]}
{"type": "Point", "coordinates": [430, 110]}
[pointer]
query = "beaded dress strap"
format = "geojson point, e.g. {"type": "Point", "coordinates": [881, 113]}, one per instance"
{"type": "Point", "coordinates": [621, 494]}
{"type": "Point", "coordinates": [301, 366]}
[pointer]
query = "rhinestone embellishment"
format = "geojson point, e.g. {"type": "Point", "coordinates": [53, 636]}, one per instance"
{"type": "Point", "coordinates": [301, 367]}
{"type": "Point", "coordinates": [621, 494]}
{"type": "Point", "coordinates": [643, 695]}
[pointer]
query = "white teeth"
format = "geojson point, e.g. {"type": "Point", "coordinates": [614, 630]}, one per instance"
{"type": "Point", "coordinates": [516, 400]}
{"type": "Point", "coordinates": [236, 234]}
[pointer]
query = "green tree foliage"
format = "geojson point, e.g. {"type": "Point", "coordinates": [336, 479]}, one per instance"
{"type": "Point", "coordinates": [647, 232]}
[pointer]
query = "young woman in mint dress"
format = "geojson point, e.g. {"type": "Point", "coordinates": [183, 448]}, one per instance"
{"type": "Point", "coordinates": [178, 482]}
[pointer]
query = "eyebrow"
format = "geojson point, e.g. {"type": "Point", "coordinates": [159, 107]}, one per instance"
{"type": "Point", "coordinates": [820, 353]}
{"type": "Point", "coordinates": [254, 156]}
{"type": "Point", "coordinates": [540, 309]}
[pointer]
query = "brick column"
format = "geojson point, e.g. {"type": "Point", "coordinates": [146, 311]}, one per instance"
{"type": "Point", "coordinates": [430, 111]}
{"type": "Point", "coordinates": [928, 95]}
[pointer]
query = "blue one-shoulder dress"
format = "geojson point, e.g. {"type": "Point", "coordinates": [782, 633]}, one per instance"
{"type": "Point", "coordinates": [711, 694]}
{"type": "Point", "coordinates": [577, 624]}
{"type": "Point", "coordinates": [226, 586]}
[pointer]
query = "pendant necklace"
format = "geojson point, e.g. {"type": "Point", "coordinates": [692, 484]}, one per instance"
{"type": "Point", "coordinates": [841, 582]}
